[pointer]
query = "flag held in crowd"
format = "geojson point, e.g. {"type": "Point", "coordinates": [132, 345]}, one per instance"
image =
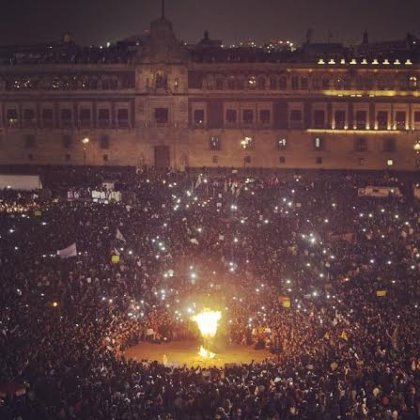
{"type": "Point", "coordinates": [119, 236]}
{"type": "Point", "coordinates": [285, 301]}
{"type": "Point", "coordinates": [70, 251]}
{"type": "Point", "coordinates": [344, 336]}
{"type": "Point", "coordinates": [381, 293]}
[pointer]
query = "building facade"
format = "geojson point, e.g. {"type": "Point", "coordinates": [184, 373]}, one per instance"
{"type": "Point", "coordinates": [166, 104]}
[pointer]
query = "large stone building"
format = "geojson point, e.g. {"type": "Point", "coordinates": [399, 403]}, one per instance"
{"type": "Point", "coordinates": [163, 103]}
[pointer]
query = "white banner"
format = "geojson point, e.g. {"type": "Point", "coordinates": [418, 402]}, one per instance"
{"type": "Point", "coordinates": [68, 252]}
{"type": "Point", "coordinates": [379, 192]}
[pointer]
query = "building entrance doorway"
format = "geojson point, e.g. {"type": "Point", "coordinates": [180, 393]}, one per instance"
{"type": "Point", "coordinates": [162, 157]}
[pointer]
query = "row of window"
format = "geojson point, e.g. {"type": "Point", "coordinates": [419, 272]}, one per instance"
{"type": "Point", "coordinates": [68, 82]}
{"type": "Point", "coordinates": [318, 144]}
{"type": "Point", "coordinates": [319, 119]}
{"type": "Point", "coordinates": [30, 141]}
{"type": "Point", "coordinates": [326, 82]}
{"type": "Point", "coordinates": [248, 117]}
{"type": "Point", "coordinates": [67, 157]}
{"type": "Point", "coordinates": [67, 118]}
{"type": "Point", "coordinates": [319, 160]}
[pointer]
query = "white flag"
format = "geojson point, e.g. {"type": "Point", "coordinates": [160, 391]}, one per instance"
{"type": "Point", "coordinates": [120, 236]}
{"type": "Point", "coordinates": [194, 241]}
{"type": "Point", "coordinates": [199, 181]}
{"type": "Point", "coordinates": [68, 252]}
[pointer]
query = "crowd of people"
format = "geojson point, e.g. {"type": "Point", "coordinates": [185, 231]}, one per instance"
{"type": "Point", "coordinates": [302, 264]}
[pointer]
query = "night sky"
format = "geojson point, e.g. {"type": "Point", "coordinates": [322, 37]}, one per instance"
{"type": "Point", "coordinates": [98, 21]}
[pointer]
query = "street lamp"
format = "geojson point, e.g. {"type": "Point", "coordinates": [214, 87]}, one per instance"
{"type": "Point", "coordinates": [85, 142]}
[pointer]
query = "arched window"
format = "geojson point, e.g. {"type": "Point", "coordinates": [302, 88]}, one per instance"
{"type": "Point", "coordinates": [412, 82]}
{"type": "Point", "coordinates": [252, 82]}
{"type": "Point", "coordinates": [261, 82]}
{"type": "Point", "coordinates": [231, 83]}
{"type": "Point", "coordinates": [273, 82]}
{"type": "Point", "coordinates": [325, 83]}
{"type": "Point", "coordinates": [210, 82]}
{"type": "Point", "coordinates": [161, 80]}
{"type": "Point", "coordinates": [339, 83]}
{"type": "Point", "coordinates": [283, 83]}
{"type": "Point", "coordinates": [219, 82]}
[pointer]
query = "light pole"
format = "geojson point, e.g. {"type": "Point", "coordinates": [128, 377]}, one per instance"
{"type": "Point", "coordinates": [85, 142]}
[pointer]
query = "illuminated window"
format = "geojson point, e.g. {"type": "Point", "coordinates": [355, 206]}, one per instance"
{"type": "Point", "coordinates": [215, 143]}
{"type": "Point", "coordinates": [318, 143]}
{"type": "Point", "coordinates": [12, 117]}
{"type": "Point", "coordinates": [416, 146]}
{"type": "Point", "coordinates": [282, 143]}
{"type": "Point", "coordinates": [400, 120]}
{"type": "Point", "coordinates": [339, 84]}
{"type": "Point", "coordinates": [412, 82]}
{"type": "Point", "coordinates": [390, 162]}
{"type": "Point", "coordinates": [247, 143]}
{"type": "Point", "coordinates": [199, 116]}
{"type": "Point", "coordinates": [252, 82]}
